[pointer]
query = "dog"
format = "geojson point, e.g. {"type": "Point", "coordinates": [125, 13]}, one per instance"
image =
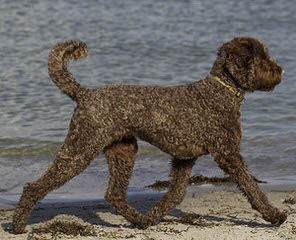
{"type": "Point", "coordinates": [184, 121]}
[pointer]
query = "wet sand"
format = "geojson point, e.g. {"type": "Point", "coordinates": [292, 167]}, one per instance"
{"type": "Point", "coordinates": [212, 215]}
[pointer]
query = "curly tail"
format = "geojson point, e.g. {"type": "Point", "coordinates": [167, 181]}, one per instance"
{"type": "Point", "coordinates": [57, 66]}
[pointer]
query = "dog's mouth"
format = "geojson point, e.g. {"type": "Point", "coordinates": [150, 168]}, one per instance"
{"type": "Point", "coordinates": [267, 89]}
{"type": "Point", "coordinates": [269, 86]}
{"type": "Point", "coordinates": [269, 80]}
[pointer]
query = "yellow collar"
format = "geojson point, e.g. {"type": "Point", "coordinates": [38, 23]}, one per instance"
{"type": "Point", "coordinates": [231, 89]}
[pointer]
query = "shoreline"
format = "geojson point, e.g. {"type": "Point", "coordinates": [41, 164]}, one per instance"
{"type": "Point", "coordinates": [219, 214]}
{"type": "Point", "coordinates": [10, 200]}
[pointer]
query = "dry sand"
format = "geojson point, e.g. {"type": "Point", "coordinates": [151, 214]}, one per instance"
{"type": "Point", "coordinates": [203, 216]}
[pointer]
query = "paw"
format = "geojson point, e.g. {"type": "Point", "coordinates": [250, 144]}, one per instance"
{"type": "Point", "coordinates": [281, 218]}
{"type": "Point", "coordinates": [145, 222]}
{"type": "Point", "coordinates": [277, 217]}
{"type": "Point", "coordinates": [18, 228]}
{"type": "Point", "coordinates": [19, 220]}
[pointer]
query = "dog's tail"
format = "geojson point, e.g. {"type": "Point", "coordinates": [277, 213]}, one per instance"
{"type": "Point", "coordinates": [57, 66]}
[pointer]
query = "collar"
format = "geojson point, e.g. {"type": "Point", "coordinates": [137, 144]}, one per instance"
{"type": "Point", "coordinates": [230, 88]}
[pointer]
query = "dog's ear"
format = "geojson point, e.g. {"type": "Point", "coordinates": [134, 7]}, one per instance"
{"type": "Point", "coordinates": [240, 62]}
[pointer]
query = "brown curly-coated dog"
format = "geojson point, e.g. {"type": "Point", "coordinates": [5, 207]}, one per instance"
{"type": "Point", "coordinates": [185, 121]}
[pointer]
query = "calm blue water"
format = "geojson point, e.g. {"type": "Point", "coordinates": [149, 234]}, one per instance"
{"type": "Point", "coordinates": [136, 42]}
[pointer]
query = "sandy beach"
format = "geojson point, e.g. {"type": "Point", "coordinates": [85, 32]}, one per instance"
{"type": "Point", "coordinates": [212, 215]}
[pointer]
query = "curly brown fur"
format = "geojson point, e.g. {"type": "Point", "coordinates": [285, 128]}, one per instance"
{"type": "Point", "coordinates": [185, 121]}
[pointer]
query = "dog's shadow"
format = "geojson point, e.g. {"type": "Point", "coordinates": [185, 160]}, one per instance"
{"type": "Point", "coordinates": [90, 211]}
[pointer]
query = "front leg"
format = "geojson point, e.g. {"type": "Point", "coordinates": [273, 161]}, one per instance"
{"type": "Point", "coordinates": [235, 166]}
{"type": "Point", "coordinates": [180, 173]}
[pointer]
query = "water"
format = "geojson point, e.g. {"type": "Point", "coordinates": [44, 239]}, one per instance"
{"type": "Point", "coordinates": [136, 42]}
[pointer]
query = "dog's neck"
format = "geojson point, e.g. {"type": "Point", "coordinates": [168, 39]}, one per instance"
{"type": "Point", "coordinates": [232, 89]}
{"type": "Point", "coordinates": [226, 79]}
{"type": "Point", "coordinates": [221, 71]}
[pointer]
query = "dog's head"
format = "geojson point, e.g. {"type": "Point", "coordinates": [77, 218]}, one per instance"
{"type": "Point", "coordinates": [249, 64]}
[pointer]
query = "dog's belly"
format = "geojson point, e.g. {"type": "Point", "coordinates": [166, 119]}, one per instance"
{"type": "Point", "coordinates": [177, 149]}
{"type": "Point", "coordinates": [186, 151]}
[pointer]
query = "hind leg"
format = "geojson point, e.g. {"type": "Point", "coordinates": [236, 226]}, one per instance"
{"type": "Point", "coordinates": [75, 155]}
{"type": "Point", "coordinates": [180, 173]}
{"type": "Point", "coordinates": [121, 157]}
